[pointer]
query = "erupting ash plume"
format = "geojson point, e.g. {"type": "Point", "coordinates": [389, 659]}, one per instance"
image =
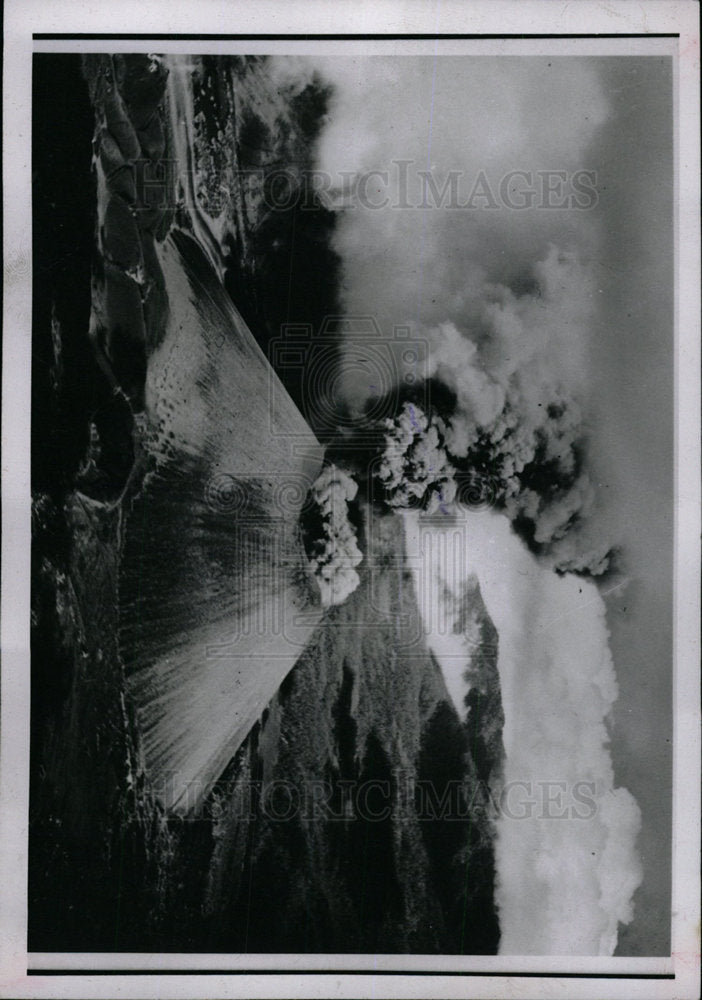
{"type": "Point", "coordinates": [414, 467]}
{"type": "Point", "coordinates": [506, 300]}
{"type": "Point", "coordinates": [334, 552]}
{"type": "Point", "coordinates": [514, 366]}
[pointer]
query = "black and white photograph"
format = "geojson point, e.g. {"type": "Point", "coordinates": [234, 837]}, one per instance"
{"type": "Point", "coordinates": [355, 506]}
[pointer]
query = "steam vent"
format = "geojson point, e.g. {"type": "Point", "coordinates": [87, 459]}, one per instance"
{"type": "Point", "coordinates": [216, 600]}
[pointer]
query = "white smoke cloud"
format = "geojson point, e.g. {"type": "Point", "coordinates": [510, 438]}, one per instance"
{"type": "Point", "coordinates": [564, 883]}
{"type": "Point", "coordinates": [472, 116]}
{"type": "Point", "coordinates": [291, 74]}
{"type": "Point", "coordinates": [518, 349]}
{"type": "Point", "coordinates": [335, 554]}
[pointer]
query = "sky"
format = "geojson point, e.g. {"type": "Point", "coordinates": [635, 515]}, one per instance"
{"type": "Point", "coordinates": [518, 308]}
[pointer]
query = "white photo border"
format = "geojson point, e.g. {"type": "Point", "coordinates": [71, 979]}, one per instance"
{"type": "Point", "coordinates": [619, 27]}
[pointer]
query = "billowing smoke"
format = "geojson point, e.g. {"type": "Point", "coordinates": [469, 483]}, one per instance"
{"type": "Point", "coordinates": [515, 369]}
{"type": "Point", "coordinates": [501, 301]}
{"type": "Point", "coordinates": [290, 75]}
{"type": "Point", "coordinates": [414, 468]}
{"type": "Point", "coordinates": [566, 846]}
{"type": "Point", "coordinates": [558, 684]}
{"type": "Point", "coordinates": [333, 552]}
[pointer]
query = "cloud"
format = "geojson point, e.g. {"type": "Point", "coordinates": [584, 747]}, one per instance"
{"type": "Point", "coordinates": [291, 74]}
{"type": "Point", "coordinates": [334, 553]}
{"type": "Point", "coordinates": [503, 302]}
{"type": "Point", "coordinates": [566, 835]}
{"type": "Point", "coordinates": [503, 347]}
{"type": "Point", "coordinates": [517, 368]}
{"type": "Point", "coordinates": [414, 468]}
{"type": "Point", "coordinates": [474, 116]}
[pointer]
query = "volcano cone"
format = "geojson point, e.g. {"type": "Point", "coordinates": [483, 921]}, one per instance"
{"type": "Point", "coordinates": [216, 600]}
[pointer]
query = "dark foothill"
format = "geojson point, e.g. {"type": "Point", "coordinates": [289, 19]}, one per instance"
{"type": "Point", "coordinates": [127, 92]}
{"type": "Point", "coordinates": [124, 311]}
{"type": "Point", "coordinates": [163, 228]}
{"type": "Point", "coordinates": [119, 174]}
{"type": "Point", "coordinates": [118, 123]}
{"type": "Point", "coordinates": [121, 235]}
{"type": "Point", "coordinates": [148, 218]}
{"type": "Point", "coordinates": [142, 82]}
{"type": "Point", "coordinates": [152, 139]}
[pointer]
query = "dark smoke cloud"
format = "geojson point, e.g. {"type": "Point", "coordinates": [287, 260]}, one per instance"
{"type": "Point", "coordinates": [509, 410]}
